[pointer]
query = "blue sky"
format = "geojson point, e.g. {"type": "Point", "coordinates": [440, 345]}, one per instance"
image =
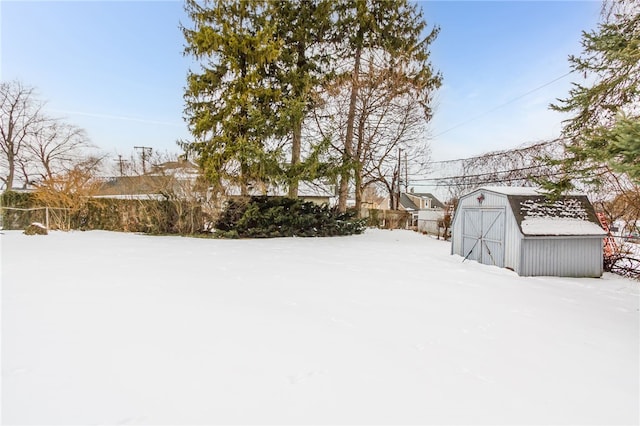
{"type": "Point", "coordinates": [116, 68]}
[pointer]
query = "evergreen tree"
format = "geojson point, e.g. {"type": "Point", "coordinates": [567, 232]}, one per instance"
{"type": "Point", "coordinates": [605, 127]}
{"type": "Point", "coordinates": [302, 28]}
{"type": "Point", "coordinates": [230, 101]}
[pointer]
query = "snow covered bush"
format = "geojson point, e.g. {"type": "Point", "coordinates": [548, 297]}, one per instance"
{"type": "Point", "coordinates": [36, 228]}
{"type": "Point", "coordinates": [267, 217]}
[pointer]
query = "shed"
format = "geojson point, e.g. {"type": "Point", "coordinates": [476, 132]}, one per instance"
{"type": "Point", "coordinates": [524, 230]}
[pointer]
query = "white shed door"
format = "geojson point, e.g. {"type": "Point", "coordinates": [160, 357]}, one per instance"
{"type": "Point", "coordinates": [483, 235]}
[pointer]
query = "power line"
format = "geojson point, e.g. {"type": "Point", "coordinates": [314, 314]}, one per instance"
{"type": "Point", "coordinates": [478, 175]}
{"type": "Point", "coordinates": [498, 153]}
{"type": "Point", "coordinates": [449, 181]}
{"type": "Point", "coordinates": [502, 105]}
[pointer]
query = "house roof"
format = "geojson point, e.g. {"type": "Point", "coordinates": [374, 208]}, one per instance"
{"type": "Point", "coordinates": [406, 202]}
{"type": "Point", "coordinates": [314, 189]}
{"type": "Point", "coordinates": [435, 203]}
{"type": "Point", "coordinates": [134, 185]}
{"type": "Point", "coordinates": [306, 189]}
{"type": "Point", "coordinates": [179, 169]}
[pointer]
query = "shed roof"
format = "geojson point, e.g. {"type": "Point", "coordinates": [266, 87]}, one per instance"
{"type": "Point", "coordinates": [538, 215]}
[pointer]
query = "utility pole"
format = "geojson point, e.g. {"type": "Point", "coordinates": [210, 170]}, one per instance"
{"type": "Point", "coordinates": [121, 162]}
{"type": "Point", "coordinates": [406, 173]}
{"type": "Point", "coordinates": [145, 153]}
{"type": "Point", "coordinates": [399, 177]}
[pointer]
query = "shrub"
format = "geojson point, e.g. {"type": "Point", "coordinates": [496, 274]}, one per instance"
{"type": "Point", "coordinates": [16, 199]}
{"type": "Point", "coordinates": [36, 228]}
{"type": "Point", "coordinates": [268, 217]}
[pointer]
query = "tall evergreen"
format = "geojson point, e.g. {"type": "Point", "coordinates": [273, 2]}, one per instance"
{"type": "Point", "coordinates": [263, 67]}
{"type": "Point", "coordinates": [604, 129]}
{"type": "Point", "coordinates": [302, 28]}
{"type": "Point", "coordinates": [229, 101]}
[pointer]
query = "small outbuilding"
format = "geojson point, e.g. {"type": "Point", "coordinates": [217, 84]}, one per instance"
{"type": "Point", "coordinates": [524, 230]}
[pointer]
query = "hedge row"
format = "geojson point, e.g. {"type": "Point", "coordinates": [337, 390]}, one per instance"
{"type": "Point", "coordinates": [267, 217]}
{"type": "Point", "coordinates": [255, 217]}
{"type": "Point", "coordinates": [149, 216]}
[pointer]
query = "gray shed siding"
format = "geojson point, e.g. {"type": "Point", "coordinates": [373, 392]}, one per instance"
{"type": "Point", "coordinates": [512, 243]}
{"type": "Point", "coordinates": [470, 201]}
{"type": "Point", "coordinates": [564, 257]}
{"type": "Point", "coordinates": [511, 235]}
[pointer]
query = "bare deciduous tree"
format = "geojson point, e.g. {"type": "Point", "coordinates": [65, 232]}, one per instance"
{"type": "Point", "coordinates": [33, 146]}
{"type": "Point", "coordinates": [390, 136]}
{"type": "Point", "coordinates": [20, 118]}
{"type": "Point", "coordinates": [388, 36]}
{"type": "Point", "coordinates": [55, 148]}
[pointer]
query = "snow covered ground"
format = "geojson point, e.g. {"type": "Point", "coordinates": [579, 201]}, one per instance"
{"type": "Point", "coordinates": [381, 328]}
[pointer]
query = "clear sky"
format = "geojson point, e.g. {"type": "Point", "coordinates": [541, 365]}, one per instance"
{"type": "Point", "coordinates": [116, 68]}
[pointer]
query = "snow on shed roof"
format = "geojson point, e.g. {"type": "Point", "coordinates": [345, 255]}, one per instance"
{"type": "Point", "coordinates": [538, 226]}
{"type": "Point", "coordinates": [538, 215]}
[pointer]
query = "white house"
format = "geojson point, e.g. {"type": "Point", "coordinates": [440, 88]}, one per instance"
{"type": "Point", "coordinates": [523, 230]}
{"type": "Point", "coordinates": [425, 208]}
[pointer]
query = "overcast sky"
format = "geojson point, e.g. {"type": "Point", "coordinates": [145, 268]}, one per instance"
{"type": "Point", "coordinates": [116, 68]}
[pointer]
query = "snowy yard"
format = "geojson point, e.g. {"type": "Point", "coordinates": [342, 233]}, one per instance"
{"type": "Point", "coordinates": [381, 328]}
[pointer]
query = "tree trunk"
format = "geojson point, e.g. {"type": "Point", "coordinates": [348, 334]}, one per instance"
{"type": "Point", "coordinates": [9, 148]}
{"type": "Point", "coordinates": [347, 154]}
{"type": "Point", "coordinates": [296, 142]}
{"type": "Point", "coordinates": [10, 175]}
{"type": "Point", "coordinates": [295, 158]}
{"type": "Point", "coordinates": [359, 161]}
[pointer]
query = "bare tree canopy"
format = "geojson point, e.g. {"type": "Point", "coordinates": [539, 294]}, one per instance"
{"type": "Point", "coordinates": [34, 146]}
{"type": "Point", "coordinates": [20, 119]}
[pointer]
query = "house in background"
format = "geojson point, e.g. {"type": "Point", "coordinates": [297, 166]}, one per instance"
{"type": "Point", "coordinates": [523, 230]}
{"type": "Point", "coordinates": [316, 191]}
{"type": "Point", "coordinates": [427, 213]}
{"type": "Point", "coordinates": [424, 208]}
{"type": "Point", "coordinates": [170, 179]}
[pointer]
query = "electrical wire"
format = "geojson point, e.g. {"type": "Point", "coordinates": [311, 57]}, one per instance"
{"type": "Point", "coordinates": [498, 153]}
{"type": "Point", "coordinates": [502, 105]}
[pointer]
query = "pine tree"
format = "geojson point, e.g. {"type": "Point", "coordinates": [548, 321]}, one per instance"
{"type": "Point", "coordinates": [302, 28]}
{"type": "Point", "coordinates": [604, 130]}
{"type": "Point", "coordinates": [230, 101]}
